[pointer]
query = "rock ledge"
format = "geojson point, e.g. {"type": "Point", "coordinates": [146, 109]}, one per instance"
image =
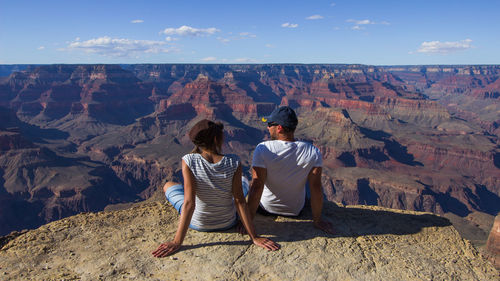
{"type": "Point", "coordinates": [372, 243]}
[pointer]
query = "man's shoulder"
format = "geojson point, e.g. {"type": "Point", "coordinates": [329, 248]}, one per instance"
{"type": "Point", "coordinates": [307, 145]}
{"type": "Point", "coordinates": [265, 145]}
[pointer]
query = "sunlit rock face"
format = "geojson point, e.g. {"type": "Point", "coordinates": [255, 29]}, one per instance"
{"type": "Point", "coordinates": [493, 243]}
{"type": "Point", "coordinates": [77, 138]}
{"type": "Point", "coordinates": [371, 243]}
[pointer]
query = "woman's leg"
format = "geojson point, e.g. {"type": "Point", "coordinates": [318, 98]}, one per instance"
{"type": "Point", "coordinates": [169, 184]}
{"type": "Point", "coordinates": [175, 194]}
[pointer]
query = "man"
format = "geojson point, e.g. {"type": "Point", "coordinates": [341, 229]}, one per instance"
{"type": "Point", "coordinates": [281, 168]}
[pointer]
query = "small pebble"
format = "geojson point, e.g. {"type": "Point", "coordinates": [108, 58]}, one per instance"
{"type": "Point", "coordinates": [173, 258]}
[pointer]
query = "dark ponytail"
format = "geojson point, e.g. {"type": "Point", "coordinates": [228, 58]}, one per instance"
{"type": "Point", "coordinates": [205, 134]}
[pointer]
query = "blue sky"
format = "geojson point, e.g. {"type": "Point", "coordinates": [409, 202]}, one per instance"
{"type": "Point", "coordinates": [273, 31]}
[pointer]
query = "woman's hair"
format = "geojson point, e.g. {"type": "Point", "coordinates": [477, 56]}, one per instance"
{"type": "Point", "coordinates": [207, 135]}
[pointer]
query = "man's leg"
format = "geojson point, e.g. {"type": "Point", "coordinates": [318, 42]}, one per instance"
{"type": "Point", "coordinates": [245, 186]}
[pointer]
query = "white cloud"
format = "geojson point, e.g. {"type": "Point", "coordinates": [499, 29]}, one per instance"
{"type": "Point", "coordinates": [209, 59]}
{"type": "Point", "coordinates": [137, 21]}
{"type": "Point", "coordinates": [119, 47]}
{"type": "Point", "coordinates": [270, 46]}
{"type": "Point", "coordinates": [437, 47]}
{"type": "Point", "coordinates": [190, 31]}
{"type": "Point", "coordinates": [244, 35]}
{"type": "Point", "coordinates": [41, 48]}
{"type": "Point", "coordinates": [314, 17]}
{"type": "Point", "coordinates": [171, 39]}
{"type": "Point", "coordinates": [289, 25]}
{"type": "Point", "coordinates": [361, 22]}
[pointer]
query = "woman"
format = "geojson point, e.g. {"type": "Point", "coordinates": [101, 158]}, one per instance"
{"type": "Point", "coordinates": [211, 181]}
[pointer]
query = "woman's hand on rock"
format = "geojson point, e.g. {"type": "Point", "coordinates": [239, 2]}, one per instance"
{"type": "Point", "coordinates": [166, 249]}
{"type": "Point", "coordinates": [266, 243]}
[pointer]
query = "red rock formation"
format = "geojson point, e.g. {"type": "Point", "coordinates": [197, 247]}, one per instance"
{"type": "Point", "coordinates": [207, 96]}
{"type": "Point", "coordinates": [438, 156]}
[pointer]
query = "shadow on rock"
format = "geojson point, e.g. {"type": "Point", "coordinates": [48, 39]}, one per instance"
{"type": "Point", "coordinates": [348, 222]}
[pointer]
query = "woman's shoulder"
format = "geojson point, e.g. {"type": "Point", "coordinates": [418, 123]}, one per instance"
{"type": "Point", "coordinates": [190, 157]}
{"type": "Point", "coordinates": [233, 158]}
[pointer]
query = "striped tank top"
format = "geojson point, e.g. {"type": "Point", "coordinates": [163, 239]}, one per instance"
{"type": "Point", "coordinates": [214, 198]}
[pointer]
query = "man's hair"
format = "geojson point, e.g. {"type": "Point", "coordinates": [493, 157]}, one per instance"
{"type": "Point", "coordinates": [288, 129]}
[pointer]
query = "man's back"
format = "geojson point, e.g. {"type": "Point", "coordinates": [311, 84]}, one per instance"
{"type": "Point", "coordinates": [288, 164]}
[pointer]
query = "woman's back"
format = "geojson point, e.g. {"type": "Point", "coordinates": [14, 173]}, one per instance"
{"type": "Point", "coordinates": [214, 198]}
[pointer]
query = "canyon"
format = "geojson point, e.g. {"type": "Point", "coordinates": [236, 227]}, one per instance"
{"type": "Point", "coordinates": [79, 138]}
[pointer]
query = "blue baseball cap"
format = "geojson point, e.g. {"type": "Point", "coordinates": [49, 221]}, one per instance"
{"type": "Point", "coordinates": [284, 116]}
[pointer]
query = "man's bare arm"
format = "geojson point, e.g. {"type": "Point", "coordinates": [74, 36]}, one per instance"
{"type": "Point", "coordinates": [314, 179]}
{"type": "Point", "coordinates": [259, 176]}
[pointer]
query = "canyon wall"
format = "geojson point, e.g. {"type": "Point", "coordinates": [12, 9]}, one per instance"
{"type": "Point", "coordinates": [77, 138]}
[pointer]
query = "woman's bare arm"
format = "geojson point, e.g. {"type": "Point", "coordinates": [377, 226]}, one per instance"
{"type": "Point", "coordinates": [173, 246]}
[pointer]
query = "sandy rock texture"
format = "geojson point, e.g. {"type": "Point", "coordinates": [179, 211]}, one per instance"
{"type": "Point", "coordinates": [493, 244]}
{"type": "Point", "coordinates": [373, 243]}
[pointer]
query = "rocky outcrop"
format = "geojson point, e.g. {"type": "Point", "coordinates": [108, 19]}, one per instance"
{"type": "Point", "coordinates": [371, 243]}
{"type": "Point", "coordinates": [493, 244]}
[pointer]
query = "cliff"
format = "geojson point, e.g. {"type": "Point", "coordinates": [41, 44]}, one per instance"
{"type": "Point", "coordinates": [372, 243]}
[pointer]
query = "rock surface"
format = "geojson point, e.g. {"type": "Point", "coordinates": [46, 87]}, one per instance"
{"type": "Point", "coordinates": [493, 244]}
{"type": "Point", "coordinates": [373, 243]}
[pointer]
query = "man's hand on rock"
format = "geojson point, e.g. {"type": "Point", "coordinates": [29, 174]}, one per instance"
{"type": "Point", "coordinates": [325, 226]}
{"type": "Point", "coordinates": [166, 249]}
{"type": "Point", "coordinates": [265, 243]}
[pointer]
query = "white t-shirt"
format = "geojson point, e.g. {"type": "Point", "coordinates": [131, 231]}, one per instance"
{"type": "Point", "coordinates": [288, 165]}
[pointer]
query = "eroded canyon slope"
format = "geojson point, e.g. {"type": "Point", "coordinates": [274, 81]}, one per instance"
{"type": "Point", "coordinates": [77, 138]}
